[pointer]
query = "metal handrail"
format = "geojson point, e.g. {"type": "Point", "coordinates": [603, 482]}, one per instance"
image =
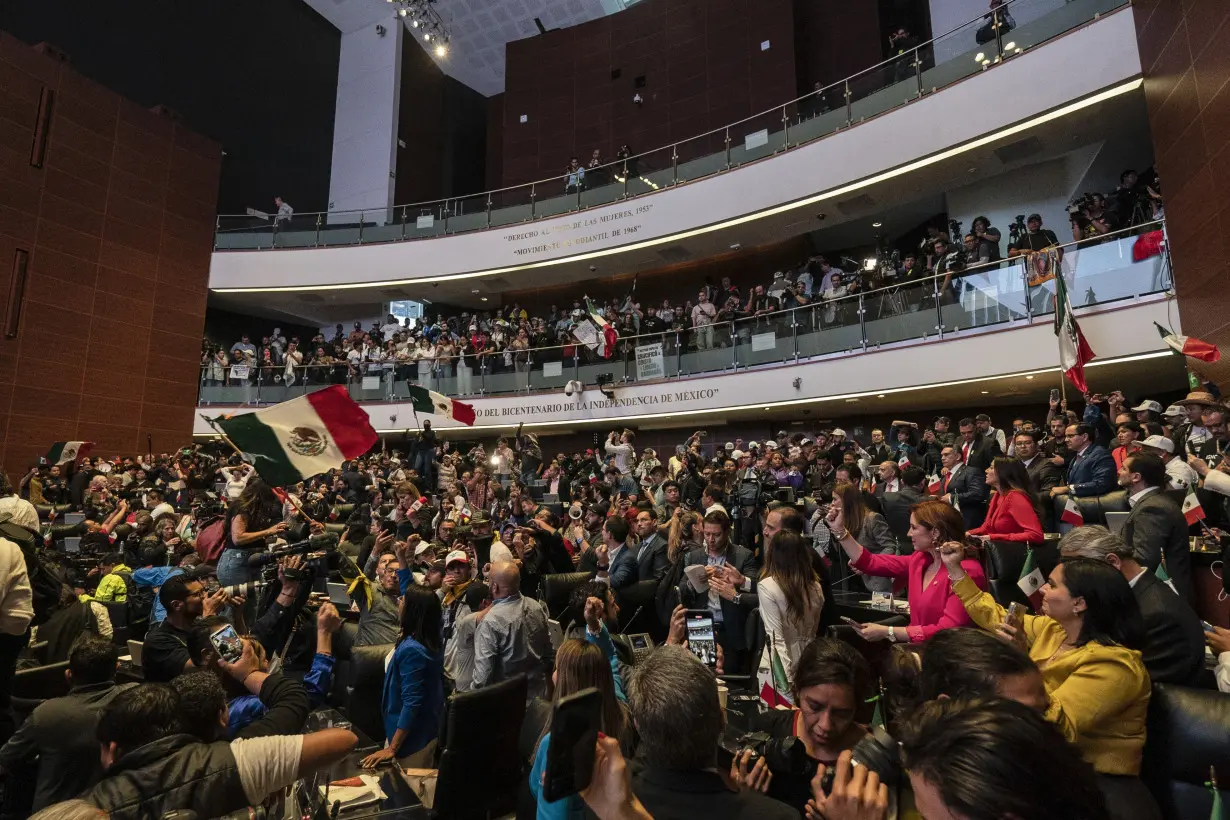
{"type": "Point", "coordinates": [530, 186]}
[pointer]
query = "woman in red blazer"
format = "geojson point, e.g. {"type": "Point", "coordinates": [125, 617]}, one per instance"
{"type": "Point", "coordinates": [1013, 514]}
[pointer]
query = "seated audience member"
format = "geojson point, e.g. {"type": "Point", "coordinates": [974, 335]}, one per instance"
{"type": "Point", "coordinates": [1155, 528]}
{"type": "Point", "coordinates": [1087, 644]}
{"type": "Point", "coordinates": [617, 558]}
{"type": "Point", "coordinates": [153, 573]}
{"type": "Point", "coordinates": [790, 600]}
{"type": "Point", "coordinates": [831, 681]}
{"type": "Point", "coordinates": [261, 704]}
{"type": "Point", "coordinates": [674, 702]}
{"type": "Point", "coordinates": [512, 638]}
{"type": "Point", "coordinates": [72, 618]}
{"type": "Point", "coordinates": [58, 736]}
{"type": "Point", "coordinates": [1091, 471]}
{"type": "Point", "coordinates": [582, 664]}
{"type": "Point", "coordinates": [738, 567]}
{"type": "Point", "coordinates": [966, 664]}
{"type": "Point", "coordinates": [1174, 638]}
{"type": "Point", "coordinates": [933, 606]}
{"type": "Point", "coordinates": [896, 506]}
{"type": "Point", "coordinates": [112, 584]}
{"type": "Point", "coordinates": [1014, 511]}
{"type": "Point", "coordinates": [995, 759]}
{"type": "Point", "coordinates": [165, 653]}
{"type": "Point", "coordinates": [413, 699]}
{"type": "Point", "coordinates": [147, 756]}
{"type": "Point", "coordinates": [866, 527]}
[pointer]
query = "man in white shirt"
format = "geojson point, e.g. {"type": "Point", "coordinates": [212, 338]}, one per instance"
{"type": "Point", "coordinates": [619, 446]}
{"type": "Point", "coordinates": [16, 613]}
{"type": "Point", "coordinates": [702, 320]}
{"type": "Point", "coordinates": [390, 327]}
{"type": "Point", "coordinates": [1181, 475]}
{"type": "Point", "coordinates": [285, 213]}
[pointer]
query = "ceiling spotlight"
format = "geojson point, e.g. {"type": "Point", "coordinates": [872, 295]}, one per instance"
{"type": "Point", "coordinates": [402, 12]}
{"type": "Point", "coordinates": [880, 396]}
{"type": "Point", "coordinates": [427, 36]}
{"type": "Point", "coordinates": [441, 50]}
{"type": "Point", "coordinates": [984, 392]}
{"type": "Point", "coordinates": [484, 298]}
{"type": "Point", "coordinates": [877, 224]}
{"type": "Point", "coordinates": [414, 24]}
{"type": "Point", "coordinates": [1029, 377]}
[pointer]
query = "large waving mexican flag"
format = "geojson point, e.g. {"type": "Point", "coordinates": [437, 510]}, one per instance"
{"type": "Point", "coordinates": [303, 437]}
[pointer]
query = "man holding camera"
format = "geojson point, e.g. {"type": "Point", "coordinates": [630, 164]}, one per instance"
{"type": "Point", "coordinates": [165, 654]}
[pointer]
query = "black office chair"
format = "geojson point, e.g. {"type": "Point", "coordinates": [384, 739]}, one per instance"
{"type": "Point", "coordinates": [481, 734]}
{"type": "Point", "coordinates": [557, 590]}
{"type": "Point", "coordinates": [34, 685]}
{"type": "Point", "coordinates": [1188, 731]}
{"type": "Point", "coordinates": [1002, 562]}
{"type": "Point", "coordinates": [637, 612]}
{"type": "Point", "coordinates": [753, 631]}
{"type": "Point", "coordinates": [365, 689]}
{"type": "Point", "coordinates": [118, 613]}
{"type": "Point", "coordinates": [1093, 508]}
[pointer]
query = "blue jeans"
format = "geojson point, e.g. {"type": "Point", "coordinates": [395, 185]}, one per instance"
{"type": "Point", "coordinates": [425, 465]}
{"type": "Point", "coordinates": [233, 569]}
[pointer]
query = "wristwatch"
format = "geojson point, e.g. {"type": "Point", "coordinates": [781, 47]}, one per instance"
{"type": "Point", "coordinates": [738, 597]}
{"type": "Point", "coordinates": [892, 634]}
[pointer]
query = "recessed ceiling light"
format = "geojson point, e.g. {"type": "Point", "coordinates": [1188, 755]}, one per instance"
{"type": "Point", "coordinates": [475, 292]}
{"type": "Point", "coordinates": [880, 396]}
{"type": "Point", "coordinates": [877, 224]}
{"type": "Point", "coordinates": [1029, 377]}
{"type": "Point", "coordinates": [984, 392]}
{"type": "Point", "coordinates": [766, 408]}
{"type": "Point", "coordinates": [484, 298]}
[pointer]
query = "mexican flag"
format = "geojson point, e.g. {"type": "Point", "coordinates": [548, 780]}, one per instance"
{"type": "Point", "coordinates": [933, 483]}
{"type": "Point", "coordinates": [605, 336]}
{"type": "Point", "coordinates": [63, 452]}
{"type": "Point", "coordinates": [1031, 581]}
{"type": "Point", "coordinates": [594, 315]}
{"type": "Point", "coordinates": [774, 685]}
{"type": "Point", "coordinates": [1192, 511]}
{"type": "Point", "coordinates": [904, 461]}
{"type": "Point", "coordinates": [1072, 513]}
{"type": "Point", "coordinates": [1074, 351]}
{"type": "Point", "coordinates": [303, 437]}
{"type": "Point", "coordinates": [1189, 346]}
{"type": "Point", "coordinates": [429, 401]}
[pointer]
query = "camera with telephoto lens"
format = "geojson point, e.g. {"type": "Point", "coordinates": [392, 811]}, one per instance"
{"type": "Point", "coordinates": [877, 751]}
{"type": "Point", "coordinates": [248, 589]}
{"type": "Point", "coordinates": [1017, 229]}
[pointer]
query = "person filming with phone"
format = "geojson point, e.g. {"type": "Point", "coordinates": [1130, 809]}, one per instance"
{"type": "Point", "coordinates": [729, 572]}
{"type": "Point", "coordinates": [933, 604]}
{"type": "Point", "coordinates": [1087, 642]}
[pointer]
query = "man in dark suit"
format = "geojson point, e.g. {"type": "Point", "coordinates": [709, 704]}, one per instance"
{"type": "Point", "coordinates": [675, 706]}
{"type": "Point", "coordinates": [879, 451]}
{"type": "Point", "coordinates": [732, 572]}
{"type": "Point", "coordinates": [651, 560]}
{"type": "Point", "coordinates": [1043, 473]}
{"type": "Point", "coordinates": [897, 505]}
{"type": "Point", "coordinates": [976, 450]}
{"type": "Point", "coordinates": [1155, 528]}
{"type": "Point", "coordinates": [1091, 471]}
{"type": "Point", "coordinates": [964, 487]}
{"type": "Point", "coordinates": [618, 564]}
{"type": "Point", "coordinates": [1174, 637]}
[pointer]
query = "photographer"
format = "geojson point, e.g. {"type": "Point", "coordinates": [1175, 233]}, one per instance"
{"type": "Point", "coordinates": [1089, 217]}
{"type": "Point", "coordinates": [1036, 238]}
{"type": "Point", "coordinates": [165, 654]}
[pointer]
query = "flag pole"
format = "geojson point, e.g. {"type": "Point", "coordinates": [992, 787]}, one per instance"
{"type": "Point", "coordinates": [289, 498]}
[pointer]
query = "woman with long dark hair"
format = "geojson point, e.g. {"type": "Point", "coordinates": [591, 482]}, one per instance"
{"type": "Point", "coordinates": [413, 698]}
{"type": "Point", "coordinates": [252, 519]}
{"type": "Point", "coordinates": [1087, 643]}
{"type": "Point", "coordinates": [790, 602]}
{"type": "Point", "coordinates": [1014, 513]}
{"type": "Point", "coordinates": [869, 528]}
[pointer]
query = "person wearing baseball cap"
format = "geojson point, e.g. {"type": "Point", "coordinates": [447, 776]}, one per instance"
{"type": "Point", "coordinates": [1181, 475]}
{"type": "Point", "coordinates": [1148, 410]}
{"type": "Point", "coordinates": [460, 593]}
{"type": "Point", "coordinates": [1036, 238]}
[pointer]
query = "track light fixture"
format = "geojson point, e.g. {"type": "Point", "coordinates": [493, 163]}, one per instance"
{"type": "Point", "coordinates": [425, 20]}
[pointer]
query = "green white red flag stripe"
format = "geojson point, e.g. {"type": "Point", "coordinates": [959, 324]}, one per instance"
{"type": "Point", "coordinates": [303, 437]}
{"type": "Point", "coordinates": [1192, 511]}
{"type": "Point", "coordinates": [62, 452]}
{"type": "Point", "coordinates": [433, 403]}
{"type": "Point", "coordinates": [1074, 351]}
{"type": "Point", "coordinates": [1031, 581]}
{"type": "Point", "coordinates": [1072, 513]}
{"type": "Point", "coordinates": [1189, 345]}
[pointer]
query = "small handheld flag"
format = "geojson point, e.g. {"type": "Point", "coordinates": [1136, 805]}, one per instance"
{"type": "Point", "coordinates": [1072, 513]}
{"type": "Point", "coordinates": [1192, 511]}
{"type": "Point", "coordinates": [1031, 580]}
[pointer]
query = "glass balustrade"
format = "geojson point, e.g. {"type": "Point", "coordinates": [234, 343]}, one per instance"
{"type": "Point", "coordinates": [882, 311]}
{"type": "Point", "coordinates": [976, 46]}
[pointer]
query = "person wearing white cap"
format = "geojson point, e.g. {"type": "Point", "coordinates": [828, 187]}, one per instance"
{"type": "Point", "coordinates": [1148, 410]}
{"type": "Point", "coordinates": [1181, 474]}
{"type": "Point", "coordinates": [730, 445]}
{"type": "Point", "coordinates": [460, 593]}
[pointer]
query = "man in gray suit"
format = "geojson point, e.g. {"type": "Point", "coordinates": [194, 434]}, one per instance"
{"type": "Point", "coordinates": [1155, 529]}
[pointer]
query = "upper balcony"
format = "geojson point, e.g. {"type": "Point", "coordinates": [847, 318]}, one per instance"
{"type": "Point", "coordinates": [920, 120]}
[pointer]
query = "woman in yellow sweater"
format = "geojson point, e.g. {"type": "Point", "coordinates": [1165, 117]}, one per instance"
{"type": "Point", "coordinates": [1086, 643]}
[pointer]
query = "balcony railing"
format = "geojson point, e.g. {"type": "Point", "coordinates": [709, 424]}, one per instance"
{"type": "Point", "coordinates": [971, 48]}
{"type": "Point", "coordinates": [1009, 293]}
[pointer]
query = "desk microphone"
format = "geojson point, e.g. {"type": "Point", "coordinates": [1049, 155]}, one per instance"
{"type": "Point", "coordinates": [624, 629]}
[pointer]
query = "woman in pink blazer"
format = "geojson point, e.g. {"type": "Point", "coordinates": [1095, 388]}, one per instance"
{"type": "Point", "coordinates": [1013, 514]}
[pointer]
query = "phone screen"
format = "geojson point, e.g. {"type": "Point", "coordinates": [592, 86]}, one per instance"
{"type": "Point", "coordinates": [574, 734]}
{"type": "Point", "coordinates": [227, 642]}
{"type": "Point", "coordinates": [1054, 394]}
{"type": "Point", "coordinates": [639, 642]}
{"type": "Point", "coordinates": [701, 639]}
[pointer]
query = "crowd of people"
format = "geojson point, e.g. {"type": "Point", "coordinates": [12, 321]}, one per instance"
{"type": "Point", "coordinates": [447, 550]}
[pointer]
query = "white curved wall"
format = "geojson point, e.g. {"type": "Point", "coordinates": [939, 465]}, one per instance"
{"type": "Point", "coordinates": [1042, 80]}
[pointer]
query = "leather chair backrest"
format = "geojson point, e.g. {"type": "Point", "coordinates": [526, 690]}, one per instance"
{"type": "Point", "coordinates": [557, 588]}
{"type": "Point", "coordinates": [118, 613]}
{"type": "Point", "coordinates": [1093, 508]}
{"type": "Point", "coordinates": [639, 597]}
{"type": "Point", "coordinates": [365, 689]}
{"type": "Point", "coordinates": [340, 529]}
{"type": "Point", "coordinates": [343, 511]}
{"type": "Point", "coordinates": [1188, 731]}
{"type": "Point", "coordinates": [483, 729]}
{"type": "Point", "coordinates": [1003, 560]}
{"type": "Point", "coordinates": [41, 682]}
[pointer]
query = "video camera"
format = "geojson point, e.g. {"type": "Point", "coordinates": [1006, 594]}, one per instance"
{"type": "Point", "coordinates": [325, 542]}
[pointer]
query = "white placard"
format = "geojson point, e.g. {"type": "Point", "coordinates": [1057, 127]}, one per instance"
{"type": "Point", "coordinates": [239, 372]}
{"type": "Point", "coordinates": [371, 382]}
{"type": "Point", "coordinates": [425, 221]}
{"type": "Point", "coordinates": [764, 341]}
{"type": "Point", "coordinates": [649, 362]}
{"type": "Point", "coordinates": [587, 334]}
{"type": "Point", "coordinates": [756, 139]}
{"type": "Point", "coordinates": [550, 369]}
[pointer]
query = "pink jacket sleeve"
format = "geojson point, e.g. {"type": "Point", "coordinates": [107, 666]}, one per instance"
{"type": "Point", "coordinates": [883, 566]}
{"type": "Point", "coordinates": [954, 614]}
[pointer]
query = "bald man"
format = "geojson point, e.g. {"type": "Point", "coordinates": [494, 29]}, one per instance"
{"type": "Point", "coordinates": [512, 638]}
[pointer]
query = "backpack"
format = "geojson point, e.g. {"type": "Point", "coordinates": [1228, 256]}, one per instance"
{"type": "Point", "coordinates": [139, 603]}
{"type": "Point", "coordinates": [45, 584]}
{"type": "Point", "coordinates": [211, 540]}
